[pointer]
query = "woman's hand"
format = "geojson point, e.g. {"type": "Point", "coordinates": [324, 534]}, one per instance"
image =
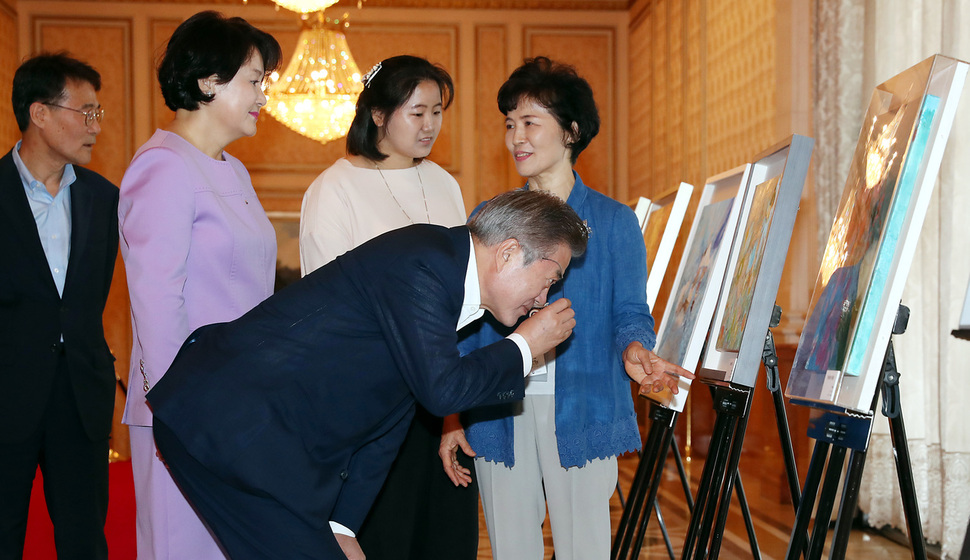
{"type": "Point", "coordinates": [650, 371]}
{"type": "Point", "coordinates": [453, 437]}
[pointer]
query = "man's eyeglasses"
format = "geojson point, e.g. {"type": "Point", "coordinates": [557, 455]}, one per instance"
{"type": "Point", "coordinates": [89, 116]}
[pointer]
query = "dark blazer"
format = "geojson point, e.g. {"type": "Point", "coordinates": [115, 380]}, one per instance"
{"type": "Point", "coordinates": [33, 317]}
{"type": "Point", "coordinates": [307, 397]}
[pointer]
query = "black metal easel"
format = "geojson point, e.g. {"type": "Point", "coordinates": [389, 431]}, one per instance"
{"type": "Point", "coordinates": [646, 484]}
{"type": "Point", "coordinates": [732, 406]}
{"type": "Point", "coordinates": [837, 431]}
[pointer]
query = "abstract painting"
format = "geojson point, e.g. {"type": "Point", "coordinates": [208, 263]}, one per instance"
{"type": "Point", "coordinates": [748, 266]}
{"type": "Point", "coordinates": [683, 312]}
{"type": "Point", "coordinates": [873, 237]}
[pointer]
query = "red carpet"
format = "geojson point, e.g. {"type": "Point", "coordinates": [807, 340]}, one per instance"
{"type": "Point", "coordinates": [120, 527]}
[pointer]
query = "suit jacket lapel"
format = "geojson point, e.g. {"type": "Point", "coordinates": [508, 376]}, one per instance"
{"type": "Point", "coordinates": [80, 228]}
{"type": "Point", "coordinates": [15, 210]}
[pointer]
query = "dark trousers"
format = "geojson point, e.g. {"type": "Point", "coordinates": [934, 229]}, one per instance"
{"type": "Point", "coordinates": [419, 514]}
{"type": "Point", "coordinates": [75, 471]}
{"type": "Point", "coordinates": [248, 526]}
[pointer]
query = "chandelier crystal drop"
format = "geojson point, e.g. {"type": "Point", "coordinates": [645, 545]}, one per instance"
{"type": "Point", "coordinates": [305, 6]}
{"type": "Point", "coordinates": [316, 95]}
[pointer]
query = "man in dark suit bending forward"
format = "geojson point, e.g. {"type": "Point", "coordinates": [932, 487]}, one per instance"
{"type": "Point", "coordinates": [281, 426]}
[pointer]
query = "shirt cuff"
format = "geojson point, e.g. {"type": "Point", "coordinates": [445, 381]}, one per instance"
{"type": "Point", "coordinates": [519, 341]}
{"type": "Point", "coordinates": [339, 529]}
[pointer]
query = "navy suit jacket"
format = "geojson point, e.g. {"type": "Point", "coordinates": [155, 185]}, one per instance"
{"type": "Point", "coordinates": [33, 316]}
{"type": "Point", "coordinates": [308, 397]}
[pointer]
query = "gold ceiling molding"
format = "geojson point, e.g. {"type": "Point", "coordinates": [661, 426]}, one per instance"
{"type": "Point", "coordinates": [598, 5]}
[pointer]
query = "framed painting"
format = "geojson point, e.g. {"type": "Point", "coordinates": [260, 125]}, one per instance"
{"type": "Point", "coordinates": [661, 220]}
{"type": "Point", "coordinates": [747, 297]}
{"type": "Point", "coordinates": [699, 277]}
{"type": "Point", "coordinates": [287, 226]}
{"type": "Point", "coordinates": [874, 235]}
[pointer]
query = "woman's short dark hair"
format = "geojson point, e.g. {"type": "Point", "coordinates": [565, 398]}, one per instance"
{"type": "Point", "coordinates": [210, 43]}
{"type": "Point", "coordinates": [539, 221]}
{"type": "Point", "coordinates": [42, 79]}
{"type": "Point", "coordinates": [559, 89]}
{"type": "Point", "coordinates": [386, 91]}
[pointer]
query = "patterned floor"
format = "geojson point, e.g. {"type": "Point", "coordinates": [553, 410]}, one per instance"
{"type": "Point", "coordinates": [772, 520]}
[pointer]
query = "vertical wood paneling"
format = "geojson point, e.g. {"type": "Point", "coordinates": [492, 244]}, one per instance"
{"type": "Point", "coordinates": [495, 173]}
{"type": "Point", "coordinates": [9, 61]}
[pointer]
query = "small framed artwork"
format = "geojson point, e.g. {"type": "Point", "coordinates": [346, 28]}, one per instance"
{"type": "Point", "coordinates": [699, 277]}
{"type": "Point", "coordinates": [869, 251]}
{"type": "Point", "coordinates": [287, 226]}
{"type": "Point", "coordinates": [661, 220]}
{"type": "Point", "coordinates": [747, 298]}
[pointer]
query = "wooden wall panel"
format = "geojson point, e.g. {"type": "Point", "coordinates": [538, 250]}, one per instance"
{"type": "Point", "coordinates": [9, 61]}
{"type": "Point", "coordinates": [593, 52]}
{"type": "Point", "coordinates": [496, 172]}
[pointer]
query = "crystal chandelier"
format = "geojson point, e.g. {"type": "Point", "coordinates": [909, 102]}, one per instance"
{"type": "Point", "coordinates": [317, 93]}
{"type": "Point", "coordinates": [305, 6]}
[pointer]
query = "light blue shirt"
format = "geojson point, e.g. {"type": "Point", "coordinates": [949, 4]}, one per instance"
{"type": "Point", "coordinates": [52, 215]}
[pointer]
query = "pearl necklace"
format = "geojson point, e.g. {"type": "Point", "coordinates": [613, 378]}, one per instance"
{"type": "Point", "coordinates": [423, 195]}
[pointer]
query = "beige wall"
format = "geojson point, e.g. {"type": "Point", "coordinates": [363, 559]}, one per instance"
{"type": "Point", "coordinates": [479, 47]}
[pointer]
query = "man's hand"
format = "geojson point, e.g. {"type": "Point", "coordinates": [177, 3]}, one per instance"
{"type": "Point", "coordinates": [453, 437]}
{"type": "Point", "coordinates": [651, 372]}
{"type": "Point", "coordinates": [548, 327]}
{"type": "Point", "coordinates": [350, 547]}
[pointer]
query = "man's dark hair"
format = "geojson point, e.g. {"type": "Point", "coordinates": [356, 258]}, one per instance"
{"type": "Point", "coordinates": [539, 221]}
{"type": "Point", "coordinates": [385, 92]}
{"type": "Point", "coordinates": [43, 78]}
{"type": "Point", "coordinates": [559, 89]}
{"type": "Point", "coordinates": [207, 44]}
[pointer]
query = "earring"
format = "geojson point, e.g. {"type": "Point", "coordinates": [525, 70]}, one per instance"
{"type": "Point", "coordinates": [208, 94]}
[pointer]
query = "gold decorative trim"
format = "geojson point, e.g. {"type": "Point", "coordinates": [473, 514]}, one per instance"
{"type": "Point", "coordinates": [583, 5]}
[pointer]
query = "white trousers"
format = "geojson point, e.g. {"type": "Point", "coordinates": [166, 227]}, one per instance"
{"type": "Point", "coordinates": [578, 498]}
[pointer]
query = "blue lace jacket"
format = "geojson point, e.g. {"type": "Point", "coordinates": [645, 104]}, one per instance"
{"type": "Point", "coordinates": [607, 287]}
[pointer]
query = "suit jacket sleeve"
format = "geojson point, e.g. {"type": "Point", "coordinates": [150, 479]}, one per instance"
{"type": "Point", "coordinates": [418, 315]}
{"type": "Point", "coordinates": [156, 224]}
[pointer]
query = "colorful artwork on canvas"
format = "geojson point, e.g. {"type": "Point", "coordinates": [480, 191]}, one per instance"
{"type": "Point", "coordinates": [748, 266]}
{"type": "Point", "coordinates": [855, 266]}
{"type": "Point", "coordinates": [679, 326]}
{"type": "Point", "coordinates": [654, 231]}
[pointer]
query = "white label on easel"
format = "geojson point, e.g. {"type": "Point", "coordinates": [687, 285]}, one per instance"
{"type": "Point", "coordinates": [830, 384]}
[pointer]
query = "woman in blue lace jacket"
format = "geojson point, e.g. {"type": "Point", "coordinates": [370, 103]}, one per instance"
{"type": "Point", "coordinates": [561, 443]}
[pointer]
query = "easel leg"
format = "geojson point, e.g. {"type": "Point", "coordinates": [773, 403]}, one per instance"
{"type": "Point", "coordinates": [907, 488]}
{"type": "Point", "coordinates": [804, 514]}
{"type": "Point", "coordinates": [634, 502]}
{"type": "Point", "coordinates": [708, 512]}
{"type": "Point", "coordinates": [748, 523]}
{"type": "Point", "coordinates": [652, 497]}
{"type": "Point", "coordinates": [704, 489]}
{"type": "Point", "coordinates": [724, 508]}
{"type": "Point", "coordinates": [826, 500]}
{"type": "Point", "coordinates": [684, 482]}
{"type": "Point", "coordinates": [850, 498]}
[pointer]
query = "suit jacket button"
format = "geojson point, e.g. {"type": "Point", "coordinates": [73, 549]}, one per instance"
{"type": "Point", "coordinates": [344, 475]}
{"type": "Point", "coordinates": [54, 348]}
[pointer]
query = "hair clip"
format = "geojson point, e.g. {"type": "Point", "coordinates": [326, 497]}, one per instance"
{"type": "Point", "coordinates": [369, 76]}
